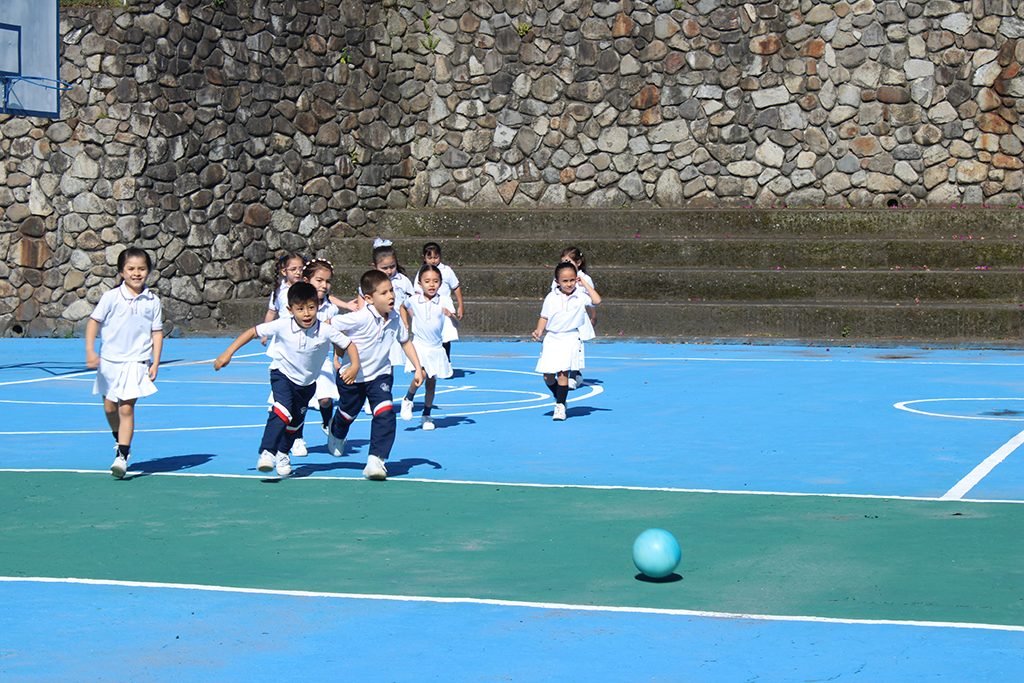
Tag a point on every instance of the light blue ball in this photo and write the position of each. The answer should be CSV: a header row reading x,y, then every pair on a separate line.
x,y
656,553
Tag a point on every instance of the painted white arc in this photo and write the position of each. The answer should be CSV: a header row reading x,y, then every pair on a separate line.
x,y
984,467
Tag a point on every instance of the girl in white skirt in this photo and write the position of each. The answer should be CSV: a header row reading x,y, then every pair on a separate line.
x,y
428,309
563,317
318,273
574,255
129,321
449,286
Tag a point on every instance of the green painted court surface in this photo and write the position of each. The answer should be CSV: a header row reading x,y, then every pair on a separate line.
x,y
848,558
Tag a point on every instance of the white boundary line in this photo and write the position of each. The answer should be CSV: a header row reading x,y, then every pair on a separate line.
x,y
516,484
76,375
511,603
905,406
983,468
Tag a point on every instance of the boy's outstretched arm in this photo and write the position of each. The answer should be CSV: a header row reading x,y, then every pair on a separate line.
x,y
243,339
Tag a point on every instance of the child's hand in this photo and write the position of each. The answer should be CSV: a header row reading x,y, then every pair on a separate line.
x,y
263,340
417,379
153,369
459,313
222,360
536,335
92,359
348,375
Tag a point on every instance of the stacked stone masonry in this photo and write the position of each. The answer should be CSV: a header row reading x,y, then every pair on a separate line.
x,y
219,133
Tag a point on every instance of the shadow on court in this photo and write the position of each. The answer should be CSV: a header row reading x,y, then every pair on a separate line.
x,y
583,411
173,463
459,374
443,423
396,468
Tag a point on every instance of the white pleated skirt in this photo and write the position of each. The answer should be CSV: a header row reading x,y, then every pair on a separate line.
x,y
560,352
433,359
123,381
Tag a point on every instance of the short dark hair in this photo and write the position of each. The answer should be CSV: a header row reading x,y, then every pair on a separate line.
x,y
371,279
431,248
565,265
133,252
300,293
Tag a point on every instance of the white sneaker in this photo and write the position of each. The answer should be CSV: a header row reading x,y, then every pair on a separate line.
x,y
428,424
266,462
335,446
375,469
299,449
366,407
284,465
572,383
406,412
119,467
326,429
559,412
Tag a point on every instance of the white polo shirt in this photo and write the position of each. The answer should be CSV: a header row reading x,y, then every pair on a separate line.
x,y
428,317
373,337
127,323
279,300
299,353
565,313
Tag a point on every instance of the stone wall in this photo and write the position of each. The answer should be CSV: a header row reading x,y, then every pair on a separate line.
x,y
217,133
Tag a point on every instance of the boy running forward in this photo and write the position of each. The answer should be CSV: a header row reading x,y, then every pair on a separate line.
x,y
301,344
374,328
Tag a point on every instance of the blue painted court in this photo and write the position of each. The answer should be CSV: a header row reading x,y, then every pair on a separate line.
x,y
822,497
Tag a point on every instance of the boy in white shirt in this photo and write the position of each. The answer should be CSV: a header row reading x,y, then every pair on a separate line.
x,y
130,322
301,344
374,328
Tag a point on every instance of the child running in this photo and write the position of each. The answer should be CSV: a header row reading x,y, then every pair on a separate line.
x,y
301,344
385,259
430,309
450,287
318,273
374,328
130,323
575,256
562,318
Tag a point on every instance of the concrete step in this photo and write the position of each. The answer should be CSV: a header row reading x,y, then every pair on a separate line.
x,y
696,284
836,320
726,252
420,225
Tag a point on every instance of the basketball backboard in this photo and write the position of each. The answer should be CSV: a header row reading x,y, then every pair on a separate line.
x,y
30,58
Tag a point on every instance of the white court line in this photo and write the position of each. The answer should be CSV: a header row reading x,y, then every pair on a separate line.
x,y
519,484
494,602
594,391
984,467
905,406
76,375
710,359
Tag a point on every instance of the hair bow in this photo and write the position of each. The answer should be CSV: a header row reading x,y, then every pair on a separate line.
x,y
380,242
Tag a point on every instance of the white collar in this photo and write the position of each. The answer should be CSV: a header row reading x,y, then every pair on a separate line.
x,y
127,293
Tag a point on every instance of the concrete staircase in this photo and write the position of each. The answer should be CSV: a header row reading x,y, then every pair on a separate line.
x,y
922,275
